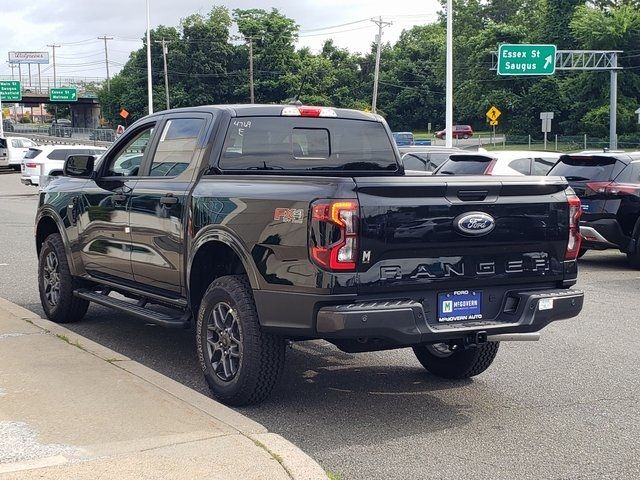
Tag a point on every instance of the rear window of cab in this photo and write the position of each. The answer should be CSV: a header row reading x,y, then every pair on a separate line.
x,y
307,144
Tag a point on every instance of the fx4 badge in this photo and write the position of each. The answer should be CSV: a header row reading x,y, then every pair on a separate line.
x,y
289,215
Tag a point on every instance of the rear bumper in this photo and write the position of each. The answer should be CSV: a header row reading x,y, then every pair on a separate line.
x,y
408,320
603,234
403,322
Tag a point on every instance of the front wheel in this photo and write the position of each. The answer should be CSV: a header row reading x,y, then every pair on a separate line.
x,y
56,284
240,362
458,363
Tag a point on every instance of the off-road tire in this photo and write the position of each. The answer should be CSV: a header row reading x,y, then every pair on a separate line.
x,y
261,354
68,308
461,363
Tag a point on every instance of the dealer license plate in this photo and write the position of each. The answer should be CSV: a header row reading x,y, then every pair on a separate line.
x,y
459,306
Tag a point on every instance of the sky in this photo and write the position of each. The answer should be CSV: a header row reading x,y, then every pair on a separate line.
x,y
31,25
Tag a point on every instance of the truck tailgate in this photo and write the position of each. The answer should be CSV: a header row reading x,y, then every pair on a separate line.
x,y
413,233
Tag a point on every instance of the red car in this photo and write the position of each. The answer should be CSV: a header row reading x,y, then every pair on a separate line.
x,y
459,131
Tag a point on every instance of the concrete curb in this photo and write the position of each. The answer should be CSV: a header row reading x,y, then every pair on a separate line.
x,y
298,464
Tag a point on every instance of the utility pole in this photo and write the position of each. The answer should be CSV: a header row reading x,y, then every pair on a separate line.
x,y
253,99
165,50
381,24
53,47
106,60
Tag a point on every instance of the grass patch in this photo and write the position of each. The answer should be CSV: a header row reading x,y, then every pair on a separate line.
x,y
333,476
64,338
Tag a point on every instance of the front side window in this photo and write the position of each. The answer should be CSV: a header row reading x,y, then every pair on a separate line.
x,y
176,147
127,161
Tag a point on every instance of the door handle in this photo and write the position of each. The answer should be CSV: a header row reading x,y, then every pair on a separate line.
x,y
119,198
168,200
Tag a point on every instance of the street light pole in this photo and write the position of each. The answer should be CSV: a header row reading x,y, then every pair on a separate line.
x,y
448,128
149,83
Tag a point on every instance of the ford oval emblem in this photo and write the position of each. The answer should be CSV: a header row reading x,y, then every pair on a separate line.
x,y
475,223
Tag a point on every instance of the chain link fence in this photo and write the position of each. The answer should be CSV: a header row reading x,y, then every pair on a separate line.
x,y
559,143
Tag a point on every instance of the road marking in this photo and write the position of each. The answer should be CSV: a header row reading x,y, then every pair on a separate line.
x,y
4,264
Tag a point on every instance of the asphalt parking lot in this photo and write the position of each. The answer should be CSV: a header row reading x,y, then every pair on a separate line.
x,y
563,408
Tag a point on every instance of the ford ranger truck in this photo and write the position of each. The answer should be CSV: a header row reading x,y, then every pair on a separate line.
x,y
261,225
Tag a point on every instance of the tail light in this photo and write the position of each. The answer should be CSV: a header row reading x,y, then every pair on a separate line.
x,y
611,188
31,165
334,234
575,212
489,169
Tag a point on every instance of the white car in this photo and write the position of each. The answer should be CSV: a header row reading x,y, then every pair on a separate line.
x,y
47,161
505,162
525,162
17,147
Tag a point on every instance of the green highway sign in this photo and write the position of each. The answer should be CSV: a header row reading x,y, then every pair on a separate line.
x,y
10,91
526,59
63,94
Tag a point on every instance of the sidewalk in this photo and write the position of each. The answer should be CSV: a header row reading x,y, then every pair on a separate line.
x,y
73,409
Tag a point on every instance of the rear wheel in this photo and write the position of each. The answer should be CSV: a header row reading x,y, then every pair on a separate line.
x,y
56,284
465,136
456,363
240,362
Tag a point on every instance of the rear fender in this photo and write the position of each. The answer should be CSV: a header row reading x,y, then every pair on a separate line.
x,y
226,237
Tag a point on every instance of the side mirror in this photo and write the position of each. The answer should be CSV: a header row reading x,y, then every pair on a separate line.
x,y
79,166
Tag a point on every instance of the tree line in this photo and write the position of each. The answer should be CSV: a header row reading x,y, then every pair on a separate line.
x,y
207,65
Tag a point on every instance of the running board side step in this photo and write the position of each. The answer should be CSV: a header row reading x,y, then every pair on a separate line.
x,y
157,318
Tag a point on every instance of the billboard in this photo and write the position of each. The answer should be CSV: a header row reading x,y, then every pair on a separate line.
x,y
28,57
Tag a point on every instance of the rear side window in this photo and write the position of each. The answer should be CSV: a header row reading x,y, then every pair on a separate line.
x,y
63,153
521,165
437,159
464,165
582,168
306,144
414,162
32,153
631,174
541,166
3,143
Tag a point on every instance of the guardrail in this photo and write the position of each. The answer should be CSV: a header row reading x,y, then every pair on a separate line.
x,y
48,140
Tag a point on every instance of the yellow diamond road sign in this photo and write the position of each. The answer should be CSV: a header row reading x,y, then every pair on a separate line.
x,y
494,113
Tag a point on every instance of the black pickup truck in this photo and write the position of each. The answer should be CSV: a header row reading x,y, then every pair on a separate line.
x,y
264,224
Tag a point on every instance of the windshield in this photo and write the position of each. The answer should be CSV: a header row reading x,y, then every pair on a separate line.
x,y
283,143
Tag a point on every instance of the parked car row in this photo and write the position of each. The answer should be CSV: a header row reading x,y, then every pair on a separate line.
x,y
607,183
